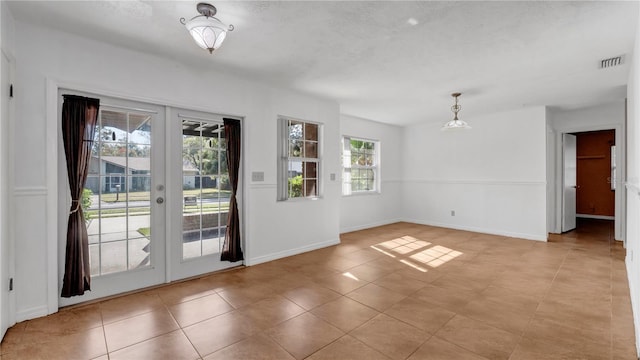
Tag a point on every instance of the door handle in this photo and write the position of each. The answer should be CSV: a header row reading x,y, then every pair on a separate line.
x,y
160,200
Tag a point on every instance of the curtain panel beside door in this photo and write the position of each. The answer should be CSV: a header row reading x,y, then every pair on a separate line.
x,y
79,119
231,250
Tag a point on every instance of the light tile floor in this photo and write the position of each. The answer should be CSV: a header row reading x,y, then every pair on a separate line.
x,y
401,291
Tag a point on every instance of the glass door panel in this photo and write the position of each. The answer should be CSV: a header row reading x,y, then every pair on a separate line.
x,y
118,191
126,170
204,191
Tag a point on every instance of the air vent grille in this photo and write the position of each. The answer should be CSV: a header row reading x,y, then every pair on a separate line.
x,y
611,62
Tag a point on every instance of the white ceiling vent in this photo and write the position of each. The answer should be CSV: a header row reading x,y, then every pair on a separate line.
x,y
611,62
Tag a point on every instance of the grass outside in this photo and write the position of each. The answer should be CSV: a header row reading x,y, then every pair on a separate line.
x,y
189,209
145,195
146,232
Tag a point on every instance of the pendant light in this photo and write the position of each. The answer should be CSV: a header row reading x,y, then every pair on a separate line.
x,y
455,124
207,31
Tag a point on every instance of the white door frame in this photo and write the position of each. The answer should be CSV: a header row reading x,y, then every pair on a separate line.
x,y
569,182
620,193
7,261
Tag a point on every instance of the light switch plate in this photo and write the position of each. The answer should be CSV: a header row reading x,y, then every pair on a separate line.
x,y
257,176
332,176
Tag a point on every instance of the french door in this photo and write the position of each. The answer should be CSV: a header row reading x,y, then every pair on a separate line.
x,y
156,199
123,199
200,190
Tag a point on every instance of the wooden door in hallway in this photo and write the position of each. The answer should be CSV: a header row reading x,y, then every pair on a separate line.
x,y
595,196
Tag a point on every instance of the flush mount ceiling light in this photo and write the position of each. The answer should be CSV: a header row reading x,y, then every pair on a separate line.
x,y
206,29
455,124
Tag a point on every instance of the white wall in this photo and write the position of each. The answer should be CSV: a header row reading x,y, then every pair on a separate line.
x,y
368,210
598,117
7,41
633,184
493,177
271,229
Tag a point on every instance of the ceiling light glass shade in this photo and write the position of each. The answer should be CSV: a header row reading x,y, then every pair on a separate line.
x,y
455,124
207,31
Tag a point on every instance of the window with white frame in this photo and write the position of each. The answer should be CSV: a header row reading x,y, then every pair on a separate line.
x,y
299,159
360,166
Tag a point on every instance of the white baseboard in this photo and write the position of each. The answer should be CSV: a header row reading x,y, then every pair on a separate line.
x,y
481,230
290,252
635,310
600,217
368,226
32,313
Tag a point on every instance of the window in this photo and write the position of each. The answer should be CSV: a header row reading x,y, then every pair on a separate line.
x,y
299,159
360,159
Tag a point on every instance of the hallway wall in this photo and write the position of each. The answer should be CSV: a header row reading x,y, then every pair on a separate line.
x,y
633,183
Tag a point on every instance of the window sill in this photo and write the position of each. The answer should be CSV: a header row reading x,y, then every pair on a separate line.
x,y
362,193
300,199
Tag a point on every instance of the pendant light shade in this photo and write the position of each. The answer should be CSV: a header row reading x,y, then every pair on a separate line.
x,y
456,124
207,31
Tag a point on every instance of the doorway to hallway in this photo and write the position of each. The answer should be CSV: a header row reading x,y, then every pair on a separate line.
x,y
591,176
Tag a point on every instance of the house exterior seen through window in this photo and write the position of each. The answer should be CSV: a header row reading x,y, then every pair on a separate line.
x,y
360,166
299,159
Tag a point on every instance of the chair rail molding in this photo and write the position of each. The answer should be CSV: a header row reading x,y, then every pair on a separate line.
x,y
30,191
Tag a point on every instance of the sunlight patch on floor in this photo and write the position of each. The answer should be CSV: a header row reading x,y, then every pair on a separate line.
x,y
416,253
350,276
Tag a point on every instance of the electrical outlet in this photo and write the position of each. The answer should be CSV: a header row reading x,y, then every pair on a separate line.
x,y
453,213
332,177
630,255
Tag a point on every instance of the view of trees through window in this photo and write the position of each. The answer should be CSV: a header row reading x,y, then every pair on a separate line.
x,y
303,159
205,188
360,164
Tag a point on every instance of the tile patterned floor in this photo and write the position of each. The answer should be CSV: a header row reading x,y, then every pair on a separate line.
x,y
401,291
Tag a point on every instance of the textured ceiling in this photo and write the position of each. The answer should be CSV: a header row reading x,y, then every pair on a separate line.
x,y
393,62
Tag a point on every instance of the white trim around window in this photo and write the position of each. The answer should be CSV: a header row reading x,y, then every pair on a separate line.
x,y
360,166
299,159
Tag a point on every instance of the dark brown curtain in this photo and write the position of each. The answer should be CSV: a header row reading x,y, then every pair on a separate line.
x,y
79,118
231,250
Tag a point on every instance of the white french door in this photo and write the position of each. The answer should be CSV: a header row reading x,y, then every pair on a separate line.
x,y
123,199
156,199
200,193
